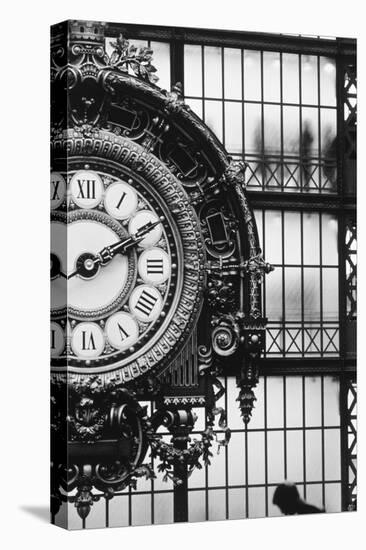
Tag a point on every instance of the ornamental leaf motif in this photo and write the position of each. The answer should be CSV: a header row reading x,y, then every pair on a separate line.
x,y
126,56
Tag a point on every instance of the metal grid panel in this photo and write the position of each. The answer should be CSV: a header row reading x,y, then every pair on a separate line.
x,y
300,298
275,110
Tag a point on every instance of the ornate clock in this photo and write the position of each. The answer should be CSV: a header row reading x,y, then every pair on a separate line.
x,y
127,290
155,274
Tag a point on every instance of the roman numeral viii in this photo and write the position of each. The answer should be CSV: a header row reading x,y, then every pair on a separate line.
x,y
146,303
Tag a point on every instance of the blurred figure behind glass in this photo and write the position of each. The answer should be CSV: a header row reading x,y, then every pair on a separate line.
x,y
287,498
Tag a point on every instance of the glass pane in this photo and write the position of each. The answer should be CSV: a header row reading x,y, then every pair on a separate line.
x,y
252,75
233,127
141,509
213,117
311,294
333,497
163,508
331,401
216,471
192,70
236,458
327,81
310,134
273,242
255,457
330,294
274,402
273,295
291,130
328,125
258,214
275,450
118,511
195,105
196,506
290,78
256,502
309,79
294,449
330,239
213,71
216,504
294,401
332,454
253,128
161,60
313,455
313,401
232,73
273,511
314,495
292,293
271,76
292,221
272,130
236,503
311,238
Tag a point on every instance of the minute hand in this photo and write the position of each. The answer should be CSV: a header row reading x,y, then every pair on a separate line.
x,y
121,247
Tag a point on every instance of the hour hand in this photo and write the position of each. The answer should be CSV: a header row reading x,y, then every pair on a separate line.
x,y
121,247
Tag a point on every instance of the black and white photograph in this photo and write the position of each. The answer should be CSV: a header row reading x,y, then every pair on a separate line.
x,y
181,311
203,274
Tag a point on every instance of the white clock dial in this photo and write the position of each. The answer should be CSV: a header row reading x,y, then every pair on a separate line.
x,y
154,266
86,189
109,281
87,340
142,218
122,330
146,303
57,190
120,200
58,283
57,339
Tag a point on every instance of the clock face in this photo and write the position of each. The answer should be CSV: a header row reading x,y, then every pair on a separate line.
x,y
117,272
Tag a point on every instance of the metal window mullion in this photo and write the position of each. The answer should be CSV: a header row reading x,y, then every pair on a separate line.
x,y
281,122
264,170
323,439
321,313
302,283
265,446
284,429
300,125
283,285
304,433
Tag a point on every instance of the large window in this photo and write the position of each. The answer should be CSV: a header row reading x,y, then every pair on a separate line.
x,y
290,114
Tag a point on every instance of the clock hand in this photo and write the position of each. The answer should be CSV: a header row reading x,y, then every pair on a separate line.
x,y
121,247
87,264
